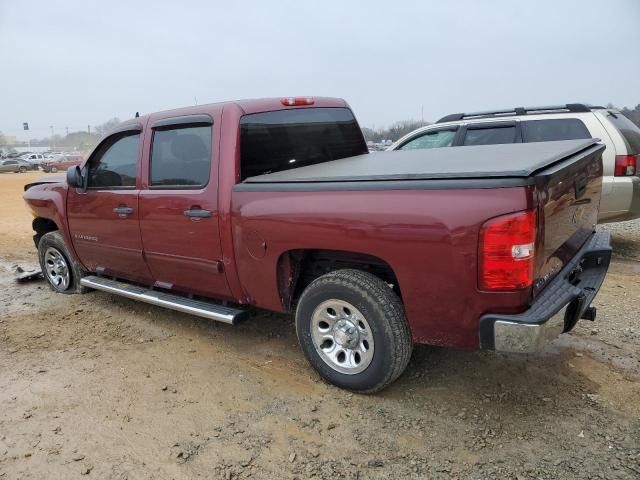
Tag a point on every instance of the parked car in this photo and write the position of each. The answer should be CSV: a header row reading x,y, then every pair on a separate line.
x,y
16,165
621,184
276,204
62,162
33,158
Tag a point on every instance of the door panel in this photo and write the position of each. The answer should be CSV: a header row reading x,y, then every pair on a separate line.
x,y
105,240
183,252
179,208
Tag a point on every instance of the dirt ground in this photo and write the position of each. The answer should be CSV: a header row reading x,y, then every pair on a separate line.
x,y
104,387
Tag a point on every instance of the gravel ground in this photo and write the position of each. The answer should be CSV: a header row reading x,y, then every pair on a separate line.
x,y
97,386
625,237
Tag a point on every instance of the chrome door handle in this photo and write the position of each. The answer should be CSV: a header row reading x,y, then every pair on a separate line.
x,y
197,213
123,210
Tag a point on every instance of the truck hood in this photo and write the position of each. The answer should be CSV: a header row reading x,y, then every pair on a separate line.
x,y
45,180
519,160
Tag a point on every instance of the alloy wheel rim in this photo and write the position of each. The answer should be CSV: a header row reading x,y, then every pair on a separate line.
x,y
342,336
57,269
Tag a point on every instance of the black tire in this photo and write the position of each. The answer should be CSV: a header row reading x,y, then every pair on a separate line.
x,y
53,241
53,169
22,170
384,314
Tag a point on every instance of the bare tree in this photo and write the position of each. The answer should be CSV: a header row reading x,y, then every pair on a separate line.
x,y
106,126
394,132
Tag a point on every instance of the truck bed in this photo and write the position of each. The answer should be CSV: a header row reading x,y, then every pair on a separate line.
x,y
520,160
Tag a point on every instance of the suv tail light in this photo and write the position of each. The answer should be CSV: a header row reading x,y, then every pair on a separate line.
x,y
507,252
626,165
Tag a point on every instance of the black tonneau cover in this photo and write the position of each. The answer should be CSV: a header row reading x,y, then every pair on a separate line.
x,y
518,160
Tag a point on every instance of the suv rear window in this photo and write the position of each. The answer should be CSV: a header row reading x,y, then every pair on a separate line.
x,y
281,140
554,129
629,131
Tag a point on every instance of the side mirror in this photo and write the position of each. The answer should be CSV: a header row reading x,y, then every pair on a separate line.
x,y
74,177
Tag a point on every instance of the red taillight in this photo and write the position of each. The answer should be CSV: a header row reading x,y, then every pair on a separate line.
x,y
296,101
507,252
626,165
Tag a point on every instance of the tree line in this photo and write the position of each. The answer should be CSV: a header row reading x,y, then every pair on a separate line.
x,y
633,115
394,132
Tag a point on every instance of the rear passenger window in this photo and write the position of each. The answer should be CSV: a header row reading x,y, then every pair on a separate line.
x,y
557,129
490,135
435,139
181,157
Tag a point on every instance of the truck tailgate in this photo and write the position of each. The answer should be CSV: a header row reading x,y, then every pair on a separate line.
x,y
569,199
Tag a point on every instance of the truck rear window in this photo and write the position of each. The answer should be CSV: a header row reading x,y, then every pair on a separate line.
x,y
629,131
554,129
281,140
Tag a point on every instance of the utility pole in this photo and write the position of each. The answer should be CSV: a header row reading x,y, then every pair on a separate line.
x,y
53,142
67,129
89,129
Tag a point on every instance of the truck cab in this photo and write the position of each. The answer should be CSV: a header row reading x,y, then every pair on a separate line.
x,y
155,196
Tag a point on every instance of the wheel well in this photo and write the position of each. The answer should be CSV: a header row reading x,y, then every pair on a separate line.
x,y
298,268
41,226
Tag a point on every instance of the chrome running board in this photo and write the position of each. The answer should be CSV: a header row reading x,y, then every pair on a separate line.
x,y
200,308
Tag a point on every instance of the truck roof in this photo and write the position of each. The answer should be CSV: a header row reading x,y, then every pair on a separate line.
x,y
254,105
518,160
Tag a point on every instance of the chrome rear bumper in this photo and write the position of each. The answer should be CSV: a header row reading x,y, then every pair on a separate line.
x,y
557,308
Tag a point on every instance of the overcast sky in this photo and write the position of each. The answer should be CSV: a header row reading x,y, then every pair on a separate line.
x,y
78,63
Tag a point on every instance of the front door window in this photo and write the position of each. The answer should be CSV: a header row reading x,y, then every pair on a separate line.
x,y
114,165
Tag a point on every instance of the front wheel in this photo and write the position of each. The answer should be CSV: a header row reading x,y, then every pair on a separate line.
x,y
53,169
22,170
58,268
352,329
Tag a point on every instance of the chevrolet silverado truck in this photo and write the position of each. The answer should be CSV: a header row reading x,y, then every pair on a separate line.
x,y
276,204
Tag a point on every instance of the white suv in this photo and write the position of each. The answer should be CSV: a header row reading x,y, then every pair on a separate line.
x,y
621,160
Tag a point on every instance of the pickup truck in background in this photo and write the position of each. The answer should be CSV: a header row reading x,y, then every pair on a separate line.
x,y
276,204
34,159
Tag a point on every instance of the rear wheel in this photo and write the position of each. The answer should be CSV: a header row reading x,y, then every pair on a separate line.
x,y
62,273
22,169
352,329
53,169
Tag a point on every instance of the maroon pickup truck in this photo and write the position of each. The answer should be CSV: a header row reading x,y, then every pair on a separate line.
x,y
276,204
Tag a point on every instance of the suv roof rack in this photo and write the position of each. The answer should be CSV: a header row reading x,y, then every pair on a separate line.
x,y
509,112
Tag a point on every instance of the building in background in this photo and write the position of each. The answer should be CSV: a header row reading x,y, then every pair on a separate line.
x,y
7,140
